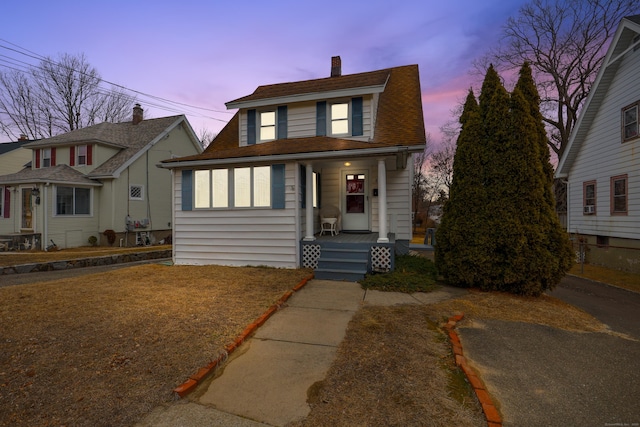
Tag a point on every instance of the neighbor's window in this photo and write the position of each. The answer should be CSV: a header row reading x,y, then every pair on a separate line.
x,y
619,193
267,125
589,197
340,119
136,192
82,155
46,157
630,122
2,202
73,201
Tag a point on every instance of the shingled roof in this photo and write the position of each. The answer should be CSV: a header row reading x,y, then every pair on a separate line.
x,y
399,120
59,174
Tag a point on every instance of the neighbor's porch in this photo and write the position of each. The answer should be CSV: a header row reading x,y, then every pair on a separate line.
x,y
347,256
19,241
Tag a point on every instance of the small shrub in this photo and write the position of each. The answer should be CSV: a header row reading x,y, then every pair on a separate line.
x,y
411,274
93,240
110,235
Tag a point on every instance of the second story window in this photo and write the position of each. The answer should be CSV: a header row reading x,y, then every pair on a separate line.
x,y
630,122
340,119
46,157
82,155
267,125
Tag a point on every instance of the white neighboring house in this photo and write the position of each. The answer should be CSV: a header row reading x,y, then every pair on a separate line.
x,y
293,150
602,160
102,177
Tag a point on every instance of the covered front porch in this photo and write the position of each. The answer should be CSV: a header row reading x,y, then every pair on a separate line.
x,y
19,241
348,256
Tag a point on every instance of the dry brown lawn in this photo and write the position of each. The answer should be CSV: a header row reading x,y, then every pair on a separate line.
x,y
105,349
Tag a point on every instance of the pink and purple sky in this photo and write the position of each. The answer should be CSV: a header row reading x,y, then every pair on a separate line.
x,y
204,53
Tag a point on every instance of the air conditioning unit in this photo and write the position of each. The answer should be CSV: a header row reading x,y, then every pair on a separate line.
x,y
589,209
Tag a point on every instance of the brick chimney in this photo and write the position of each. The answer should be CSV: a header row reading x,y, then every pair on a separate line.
x,y
336,66
137,114
23,137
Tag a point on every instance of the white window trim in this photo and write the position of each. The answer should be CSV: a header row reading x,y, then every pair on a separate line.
x,y
141,187
259,126
231,192
349,117
86,152
43,158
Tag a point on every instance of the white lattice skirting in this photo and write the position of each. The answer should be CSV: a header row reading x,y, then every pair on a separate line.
x,y
310,255
381,258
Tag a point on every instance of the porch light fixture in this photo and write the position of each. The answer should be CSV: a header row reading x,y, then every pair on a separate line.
x,y
347,164
35,191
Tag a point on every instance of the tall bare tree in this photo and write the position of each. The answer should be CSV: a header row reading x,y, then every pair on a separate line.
x,y
565,42
57,96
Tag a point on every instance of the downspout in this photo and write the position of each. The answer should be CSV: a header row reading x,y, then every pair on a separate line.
x,y
45,227
568,204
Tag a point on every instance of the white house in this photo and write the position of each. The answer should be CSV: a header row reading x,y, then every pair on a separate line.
x,y
13,156
90,180
340,145
601,163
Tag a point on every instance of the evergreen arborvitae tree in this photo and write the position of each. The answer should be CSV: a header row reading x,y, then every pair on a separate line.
x,y
460,253
499,230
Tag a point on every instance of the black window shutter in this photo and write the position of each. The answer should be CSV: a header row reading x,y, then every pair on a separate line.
x,y
251,127
187,190
321,118
356,122
277,186
282,122
7,202
303,186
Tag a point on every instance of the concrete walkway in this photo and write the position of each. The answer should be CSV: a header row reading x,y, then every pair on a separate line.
x,y
267,378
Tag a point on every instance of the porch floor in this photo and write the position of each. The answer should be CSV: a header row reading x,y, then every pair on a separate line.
x,y
343,237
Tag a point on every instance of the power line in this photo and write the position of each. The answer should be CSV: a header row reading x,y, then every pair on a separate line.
x,y
23,51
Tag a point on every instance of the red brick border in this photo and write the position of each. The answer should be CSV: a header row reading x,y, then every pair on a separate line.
x,y
490,410
190,384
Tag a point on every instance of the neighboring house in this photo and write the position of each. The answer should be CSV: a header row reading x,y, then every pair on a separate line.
x,y
602,160
13,156
102,177
293,151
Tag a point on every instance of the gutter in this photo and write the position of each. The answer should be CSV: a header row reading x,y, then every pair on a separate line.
x,y
297,156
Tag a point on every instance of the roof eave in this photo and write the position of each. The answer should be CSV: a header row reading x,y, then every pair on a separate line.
x,y
318,155
311,96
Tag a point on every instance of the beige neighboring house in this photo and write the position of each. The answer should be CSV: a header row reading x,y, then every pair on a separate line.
x,y
13,156
102,177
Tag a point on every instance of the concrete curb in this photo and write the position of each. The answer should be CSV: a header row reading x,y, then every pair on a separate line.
x,y
86,262
491,413
192,382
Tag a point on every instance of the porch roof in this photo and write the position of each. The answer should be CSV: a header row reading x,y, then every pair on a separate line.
x,y
59,174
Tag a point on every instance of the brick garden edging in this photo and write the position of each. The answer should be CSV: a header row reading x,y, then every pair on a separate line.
x,y
491,413
192,382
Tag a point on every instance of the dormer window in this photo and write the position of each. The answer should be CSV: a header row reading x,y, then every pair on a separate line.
x,y
80,155
340,119
267,125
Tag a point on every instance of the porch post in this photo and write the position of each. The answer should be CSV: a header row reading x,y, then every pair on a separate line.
x,y
382,202
309,204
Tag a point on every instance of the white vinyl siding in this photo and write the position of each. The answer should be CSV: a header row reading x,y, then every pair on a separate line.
x,y
301,120
603,155
237,236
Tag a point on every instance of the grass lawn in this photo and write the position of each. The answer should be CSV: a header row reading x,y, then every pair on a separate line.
x,y
105,349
